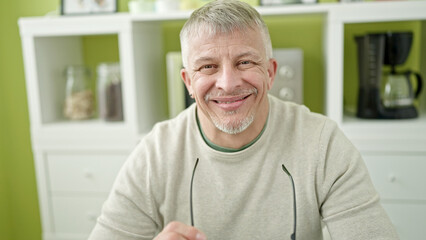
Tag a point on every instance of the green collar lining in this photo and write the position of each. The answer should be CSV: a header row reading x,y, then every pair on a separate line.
x,y
224,149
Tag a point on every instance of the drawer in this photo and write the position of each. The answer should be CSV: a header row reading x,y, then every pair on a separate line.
x,y
76,215
398,176
409,219
83,172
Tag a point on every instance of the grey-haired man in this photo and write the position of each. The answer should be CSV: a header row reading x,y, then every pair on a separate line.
x,y
240,164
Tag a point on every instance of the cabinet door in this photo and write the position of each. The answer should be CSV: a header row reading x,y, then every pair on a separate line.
x,y
76,215
398,176
409,219
78,185
400,180
83,172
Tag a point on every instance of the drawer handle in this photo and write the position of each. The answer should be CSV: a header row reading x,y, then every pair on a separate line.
x,y
91,217
392,178
87,173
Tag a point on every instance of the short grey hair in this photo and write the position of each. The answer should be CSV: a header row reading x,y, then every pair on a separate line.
x,y
223,16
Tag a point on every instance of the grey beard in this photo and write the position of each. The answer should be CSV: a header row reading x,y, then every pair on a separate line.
x,y
240,126
232,128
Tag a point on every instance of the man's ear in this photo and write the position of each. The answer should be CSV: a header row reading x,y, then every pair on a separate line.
x,y
272,71
186,79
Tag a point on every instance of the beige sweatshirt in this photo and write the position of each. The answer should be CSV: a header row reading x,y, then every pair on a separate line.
x,y
246,195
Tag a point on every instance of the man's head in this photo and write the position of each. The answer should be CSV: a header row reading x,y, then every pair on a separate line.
x,y
229,68
223,16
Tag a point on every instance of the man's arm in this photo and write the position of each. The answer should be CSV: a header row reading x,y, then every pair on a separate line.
x,y
130,214
350,204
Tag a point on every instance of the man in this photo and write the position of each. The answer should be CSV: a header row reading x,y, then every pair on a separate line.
x,y
222,164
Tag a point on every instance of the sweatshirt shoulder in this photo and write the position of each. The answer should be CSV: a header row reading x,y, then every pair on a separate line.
x,y
296,113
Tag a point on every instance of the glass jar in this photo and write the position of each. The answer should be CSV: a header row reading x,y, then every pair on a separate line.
x,y
109,92
79,99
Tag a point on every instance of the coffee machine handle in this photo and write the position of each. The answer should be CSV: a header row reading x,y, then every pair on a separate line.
x,y
419,84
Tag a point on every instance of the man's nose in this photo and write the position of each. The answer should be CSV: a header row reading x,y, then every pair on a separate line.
x,y
229,78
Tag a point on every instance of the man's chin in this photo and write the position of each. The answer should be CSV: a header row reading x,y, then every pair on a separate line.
x,y
234,126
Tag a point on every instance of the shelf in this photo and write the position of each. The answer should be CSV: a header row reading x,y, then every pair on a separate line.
x,y
54,54
402,135
344,12
89,124
354,122
85,134
378,11
140,52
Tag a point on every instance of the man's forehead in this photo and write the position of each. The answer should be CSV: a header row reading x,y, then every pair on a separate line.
x,y
209,32
207,41
205,46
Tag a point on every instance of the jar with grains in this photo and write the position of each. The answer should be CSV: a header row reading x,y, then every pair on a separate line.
x,y
79,98
109,92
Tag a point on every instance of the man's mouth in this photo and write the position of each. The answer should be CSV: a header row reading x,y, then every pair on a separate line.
x,y
230,100
224,98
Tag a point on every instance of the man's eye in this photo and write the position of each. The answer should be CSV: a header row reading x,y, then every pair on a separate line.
x,y
246,64
208,69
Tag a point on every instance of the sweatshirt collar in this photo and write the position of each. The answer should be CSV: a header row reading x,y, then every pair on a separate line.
x,y
224,149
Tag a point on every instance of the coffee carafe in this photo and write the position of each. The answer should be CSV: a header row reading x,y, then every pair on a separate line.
x,y
398,91
396,100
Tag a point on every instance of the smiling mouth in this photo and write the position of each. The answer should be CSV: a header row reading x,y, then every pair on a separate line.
x,y
229,101
220,97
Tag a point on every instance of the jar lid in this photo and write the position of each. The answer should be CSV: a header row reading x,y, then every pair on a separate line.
x,y
110,70
77,70
105,68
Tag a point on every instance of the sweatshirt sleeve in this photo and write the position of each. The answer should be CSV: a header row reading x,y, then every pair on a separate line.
x,y
127,213
350,204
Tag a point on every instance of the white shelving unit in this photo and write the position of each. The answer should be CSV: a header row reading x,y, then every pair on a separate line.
x,y
365,13
76,162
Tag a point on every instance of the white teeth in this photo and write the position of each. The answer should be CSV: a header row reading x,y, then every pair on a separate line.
x,y
230,101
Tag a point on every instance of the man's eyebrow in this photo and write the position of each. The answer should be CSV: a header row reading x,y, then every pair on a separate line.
x,y
202,60
247,54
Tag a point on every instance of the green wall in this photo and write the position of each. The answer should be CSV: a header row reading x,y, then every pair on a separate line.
x,y
19,213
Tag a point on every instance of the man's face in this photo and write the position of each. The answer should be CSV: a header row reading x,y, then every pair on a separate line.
x,y
229,76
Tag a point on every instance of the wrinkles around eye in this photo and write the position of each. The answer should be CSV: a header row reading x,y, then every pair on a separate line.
x,y
208,69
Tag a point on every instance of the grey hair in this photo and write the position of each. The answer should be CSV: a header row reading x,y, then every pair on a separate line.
x,y
223,16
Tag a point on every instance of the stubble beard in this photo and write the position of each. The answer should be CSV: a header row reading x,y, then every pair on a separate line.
x,y
233,126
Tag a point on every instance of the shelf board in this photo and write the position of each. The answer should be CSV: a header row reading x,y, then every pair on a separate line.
x,y
379,11
112,23
386,135
352,121
85,125
93,133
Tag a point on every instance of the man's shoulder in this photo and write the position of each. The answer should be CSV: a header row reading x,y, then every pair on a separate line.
x,y
297,120
286,110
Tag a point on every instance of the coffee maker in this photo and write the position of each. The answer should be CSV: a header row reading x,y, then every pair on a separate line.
x,y
396,100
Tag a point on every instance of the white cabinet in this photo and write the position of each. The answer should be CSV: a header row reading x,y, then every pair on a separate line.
x,y
394,150
72,186
397,176
77,161
400,179
89,172
74,217
408,218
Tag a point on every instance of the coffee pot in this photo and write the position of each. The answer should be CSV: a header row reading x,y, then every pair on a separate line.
x,y
399,91
396,99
